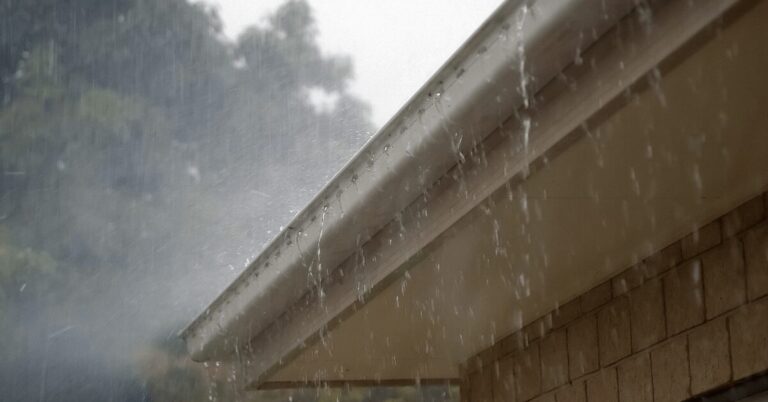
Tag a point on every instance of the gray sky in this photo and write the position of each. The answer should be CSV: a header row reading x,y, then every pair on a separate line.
x,y
396,45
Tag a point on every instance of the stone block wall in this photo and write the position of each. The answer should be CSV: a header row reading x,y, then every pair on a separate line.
x,y
687,320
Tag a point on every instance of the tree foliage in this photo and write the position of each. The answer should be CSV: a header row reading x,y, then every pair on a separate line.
x,y
142,156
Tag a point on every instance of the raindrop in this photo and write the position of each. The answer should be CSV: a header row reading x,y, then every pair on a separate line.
x,y
500,251
697,178
521,54
654,78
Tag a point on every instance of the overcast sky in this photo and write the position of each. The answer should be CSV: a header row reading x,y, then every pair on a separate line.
x,y
396,45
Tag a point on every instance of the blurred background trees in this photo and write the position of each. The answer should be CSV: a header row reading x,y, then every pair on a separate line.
x,y
144,158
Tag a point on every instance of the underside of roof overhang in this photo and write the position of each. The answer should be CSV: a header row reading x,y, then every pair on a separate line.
x,y
603,170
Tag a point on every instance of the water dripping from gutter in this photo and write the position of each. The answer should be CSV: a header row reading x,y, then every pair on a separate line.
x,y
521,55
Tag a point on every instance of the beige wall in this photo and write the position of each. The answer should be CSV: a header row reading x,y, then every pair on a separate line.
x,y
689,319
671,154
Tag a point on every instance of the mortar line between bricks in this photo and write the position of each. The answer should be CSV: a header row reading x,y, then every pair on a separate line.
x,y
567,361
730,346
688,362
599,346
703,291
629,312
664,307
650,368
744,266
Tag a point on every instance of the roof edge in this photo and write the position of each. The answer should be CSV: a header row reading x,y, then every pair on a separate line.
x,y
519,48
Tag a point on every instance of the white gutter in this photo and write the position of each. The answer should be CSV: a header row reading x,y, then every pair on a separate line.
x,y
469,96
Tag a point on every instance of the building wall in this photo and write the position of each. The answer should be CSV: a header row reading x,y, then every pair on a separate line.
x,y
687,320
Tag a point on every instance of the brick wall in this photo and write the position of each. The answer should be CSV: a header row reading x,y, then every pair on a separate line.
x,y
689,319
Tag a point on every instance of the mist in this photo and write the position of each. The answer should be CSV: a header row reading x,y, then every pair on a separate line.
x,y
146,159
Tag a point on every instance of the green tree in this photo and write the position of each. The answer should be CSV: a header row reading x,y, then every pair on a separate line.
x,y
139,149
